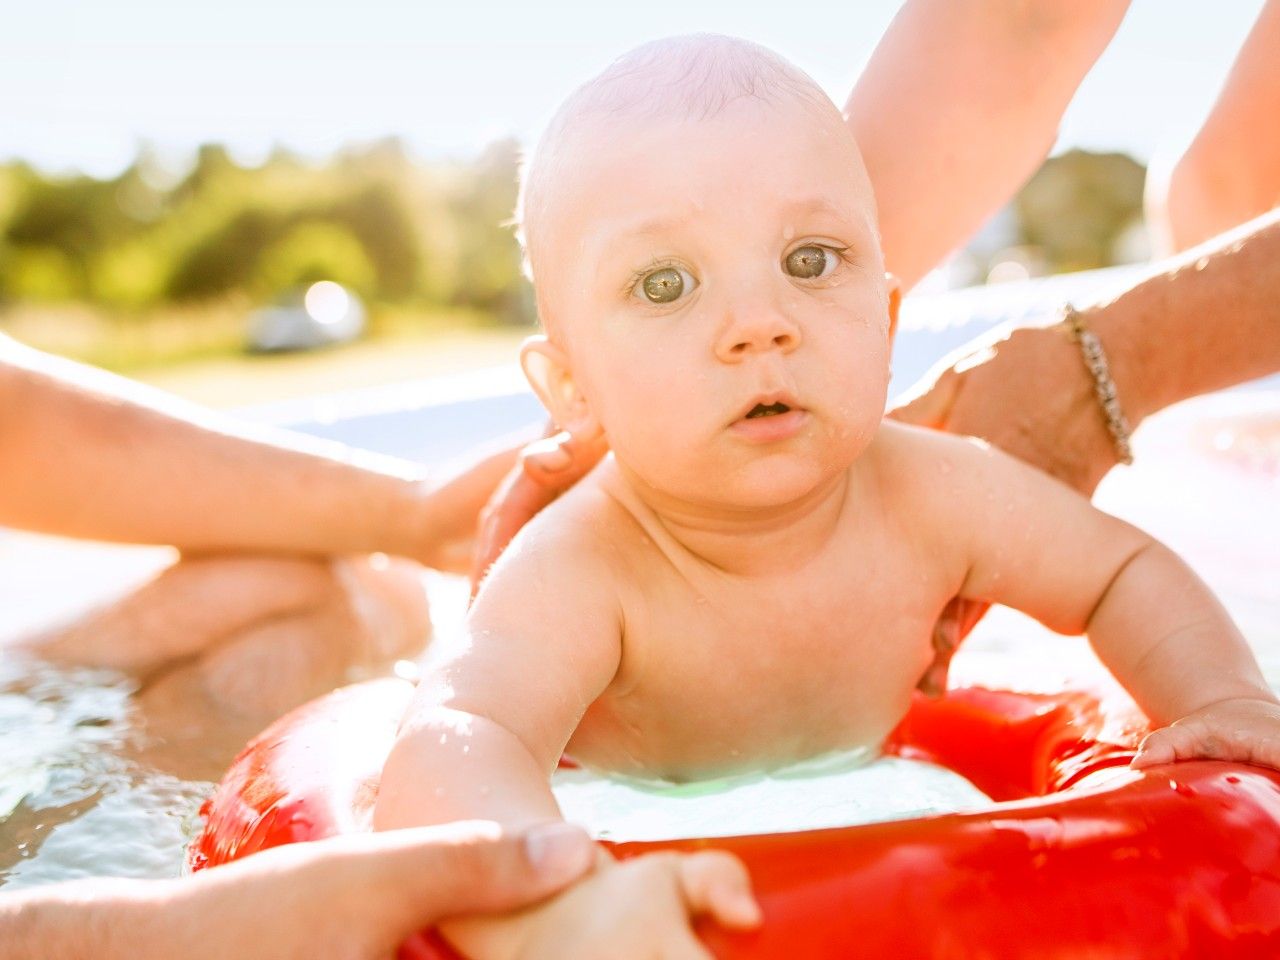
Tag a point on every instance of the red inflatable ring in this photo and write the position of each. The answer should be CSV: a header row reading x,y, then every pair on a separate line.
x,y
1179,861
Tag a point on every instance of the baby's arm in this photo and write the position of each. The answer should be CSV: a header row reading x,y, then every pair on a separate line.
x,y
487,726
1041,548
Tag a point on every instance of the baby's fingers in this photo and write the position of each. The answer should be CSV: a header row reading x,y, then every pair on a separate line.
x,y
1161,746
1244,741
718,885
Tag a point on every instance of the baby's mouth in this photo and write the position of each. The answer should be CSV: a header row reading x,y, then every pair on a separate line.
x,y
770,410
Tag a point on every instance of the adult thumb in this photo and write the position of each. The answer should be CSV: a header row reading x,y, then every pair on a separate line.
x,y
427,874
929,402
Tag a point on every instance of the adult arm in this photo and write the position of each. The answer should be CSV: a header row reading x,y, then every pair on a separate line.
x,y
1202,321
349,898
959,105
84,453
1231,171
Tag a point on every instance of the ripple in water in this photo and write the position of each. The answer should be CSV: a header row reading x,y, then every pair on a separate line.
x,y
75,799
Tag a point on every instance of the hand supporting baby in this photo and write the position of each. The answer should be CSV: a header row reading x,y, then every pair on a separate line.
x,y
637,908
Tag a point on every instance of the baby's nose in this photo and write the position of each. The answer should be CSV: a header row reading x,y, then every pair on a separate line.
x,y
756,331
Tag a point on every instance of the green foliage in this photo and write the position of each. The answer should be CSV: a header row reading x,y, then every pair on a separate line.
x,y
408,237
404,235
40,273
310,252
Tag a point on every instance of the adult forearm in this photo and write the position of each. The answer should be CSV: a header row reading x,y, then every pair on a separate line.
x,y
1167,638
86,920
1208,319
958,106
87,454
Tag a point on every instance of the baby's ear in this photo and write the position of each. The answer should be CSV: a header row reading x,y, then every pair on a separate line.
x,y
894,286
549,372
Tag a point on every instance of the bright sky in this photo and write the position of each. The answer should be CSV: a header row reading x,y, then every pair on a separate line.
x,y
83,82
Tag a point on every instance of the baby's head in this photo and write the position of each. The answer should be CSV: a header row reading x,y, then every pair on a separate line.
x,y
701,234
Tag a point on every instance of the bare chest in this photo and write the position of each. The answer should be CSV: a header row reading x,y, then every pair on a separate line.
x,y
722,673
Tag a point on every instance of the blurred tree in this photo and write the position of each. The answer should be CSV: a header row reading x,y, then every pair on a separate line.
x,y
400,232
486,256
376,216
40,273
310,252
226,258
129,275
1077,205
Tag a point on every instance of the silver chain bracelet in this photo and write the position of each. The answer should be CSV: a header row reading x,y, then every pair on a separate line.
x,y
1104,387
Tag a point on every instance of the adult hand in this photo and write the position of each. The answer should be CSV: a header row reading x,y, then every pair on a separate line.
x,y
545,469
443,519
348,898
1026,390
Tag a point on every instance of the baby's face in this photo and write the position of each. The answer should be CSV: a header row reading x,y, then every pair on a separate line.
x,y
719,290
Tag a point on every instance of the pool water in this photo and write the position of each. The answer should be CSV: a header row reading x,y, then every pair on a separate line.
x,y
88,786
832,791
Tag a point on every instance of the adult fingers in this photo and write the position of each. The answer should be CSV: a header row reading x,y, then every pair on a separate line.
x,y
928,403
423,875
547,468
562,460
958,617
717,884
518,500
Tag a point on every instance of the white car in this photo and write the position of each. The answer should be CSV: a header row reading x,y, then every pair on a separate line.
x,y
325,313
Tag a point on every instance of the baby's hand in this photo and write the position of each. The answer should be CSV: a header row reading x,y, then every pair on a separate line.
x,y
641,908
1243,730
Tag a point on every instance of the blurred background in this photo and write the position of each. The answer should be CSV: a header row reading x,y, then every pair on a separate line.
x,y
200,195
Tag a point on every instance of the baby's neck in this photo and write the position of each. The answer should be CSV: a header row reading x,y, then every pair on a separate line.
x,y
749,541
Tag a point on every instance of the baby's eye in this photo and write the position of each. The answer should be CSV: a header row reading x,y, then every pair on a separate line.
x,y
666,285
811,262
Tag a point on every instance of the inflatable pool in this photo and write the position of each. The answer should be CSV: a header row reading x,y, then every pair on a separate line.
x,y
1076,857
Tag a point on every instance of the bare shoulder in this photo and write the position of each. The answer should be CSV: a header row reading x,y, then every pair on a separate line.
x,y
952,488
568,558
545,630
910,443
928,466
585,525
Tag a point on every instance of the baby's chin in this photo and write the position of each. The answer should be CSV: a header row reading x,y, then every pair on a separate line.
x,y
766,484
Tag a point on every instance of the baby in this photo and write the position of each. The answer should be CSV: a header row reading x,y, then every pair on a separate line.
x,y
752,577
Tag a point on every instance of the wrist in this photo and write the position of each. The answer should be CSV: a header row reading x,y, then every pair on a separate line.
x,y
1137,384
403,519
